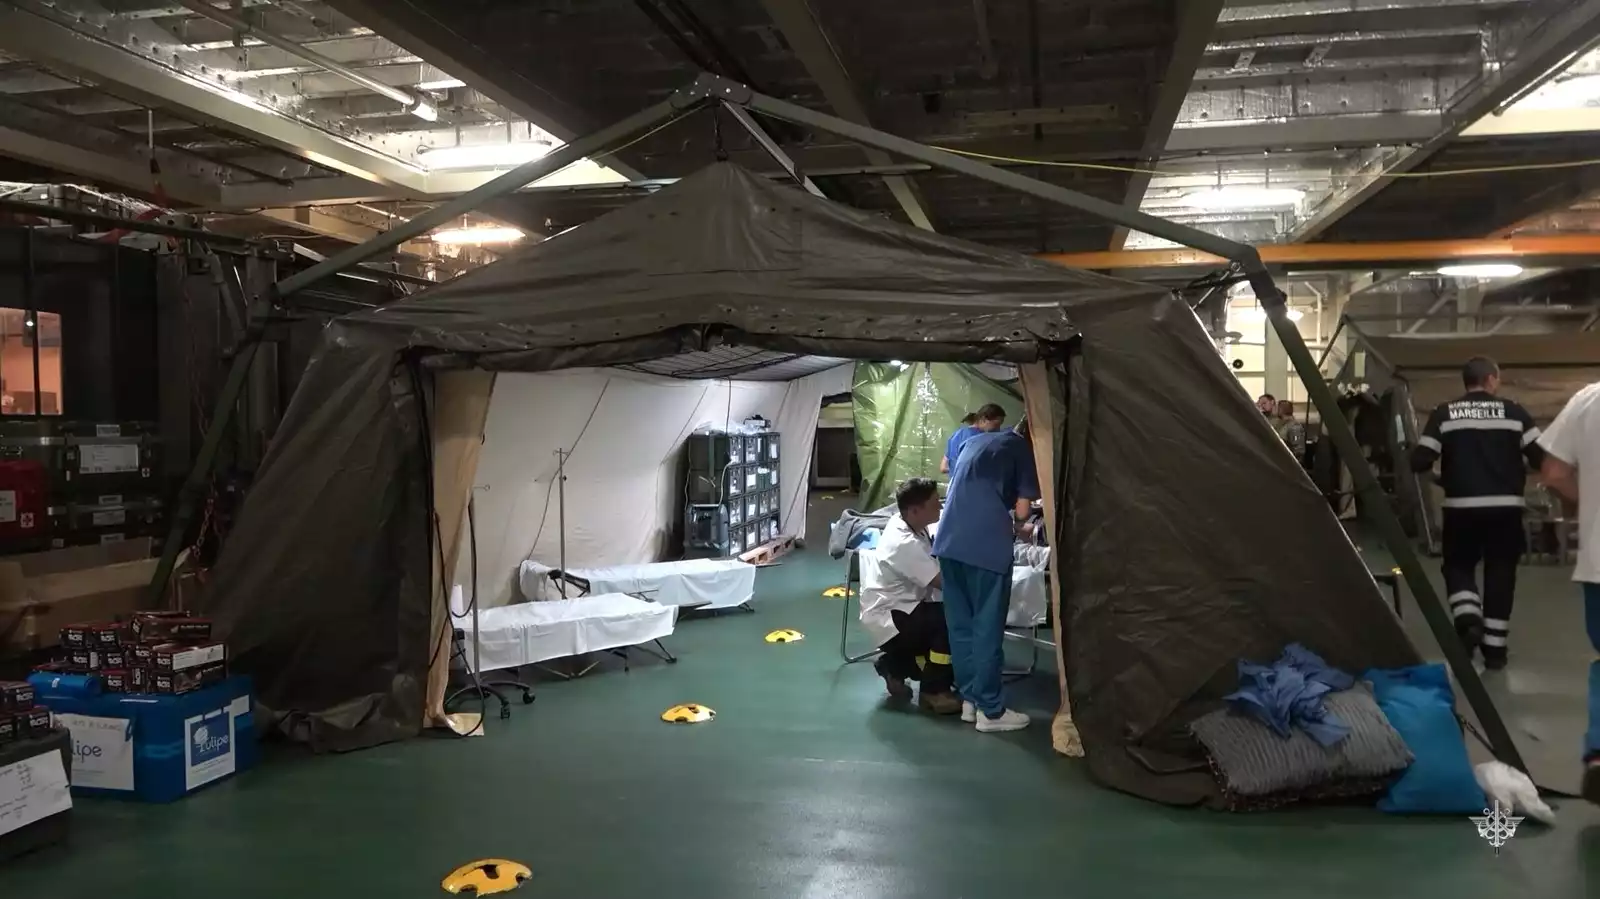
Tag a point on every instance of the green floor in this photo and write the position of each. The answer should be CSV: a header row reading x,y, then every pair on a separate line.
x,y
806,785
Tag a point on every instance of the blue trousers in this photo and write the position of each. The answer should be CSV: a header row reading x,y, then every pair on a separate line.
x,y
1591,615
975,605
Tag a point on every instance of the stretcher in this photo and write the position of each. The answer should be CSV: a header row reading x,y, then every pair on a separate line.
x,y
533,633
691,583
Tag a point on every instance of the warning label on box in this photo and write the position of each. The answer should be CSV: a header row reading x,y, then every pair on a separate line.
x,y
108,458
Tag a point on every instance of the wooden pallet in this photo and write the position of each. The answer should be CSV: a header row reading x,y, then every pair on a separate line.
x,y
768,552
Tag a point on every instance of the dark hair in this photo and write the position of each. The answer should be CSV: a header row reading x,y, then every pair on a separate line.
x,y
1477,371
969,418
1266,396
913,492
990,412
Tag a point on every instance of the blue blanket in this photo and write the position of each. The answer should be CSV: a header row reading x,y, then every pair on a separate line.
x,y
1289,693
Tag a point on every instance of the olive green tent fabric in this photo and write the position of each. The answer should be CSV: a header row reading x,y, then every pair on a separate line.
x,y
905,413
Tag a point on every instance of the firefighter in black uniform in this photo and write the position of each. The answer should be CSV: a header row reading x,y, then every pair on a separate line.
x,y
1484,445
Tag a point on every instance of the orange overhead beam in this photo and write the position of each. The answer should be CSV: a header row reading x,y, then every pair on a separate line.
x,y
1495,249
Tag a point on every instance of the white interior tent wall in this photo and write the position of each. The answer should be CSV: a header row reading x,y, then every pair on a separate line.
x,y
626,432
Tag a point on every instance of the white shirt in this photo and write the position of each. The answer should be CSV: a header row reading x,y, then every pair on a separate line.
x,y
1574,438
895,576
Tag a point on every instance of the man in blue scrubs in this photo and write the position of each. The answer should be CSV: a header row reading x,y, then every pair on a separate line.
x,y
989,418
993,485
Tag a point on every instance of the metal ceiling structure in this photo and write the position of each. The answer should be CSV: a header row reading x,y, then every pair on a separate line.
x,y
329,119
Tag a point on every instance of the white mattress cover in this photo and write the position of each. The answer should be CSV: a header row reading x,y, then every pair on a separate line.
x,y
1030,592
530,632
706,583
1030,596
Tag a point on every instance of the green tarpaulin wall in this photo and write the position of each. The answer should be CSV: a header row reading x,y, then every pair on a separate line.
x,y
904,414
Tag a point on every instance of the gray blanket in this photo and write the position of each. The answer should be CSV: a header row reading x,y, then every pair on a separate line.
x,y
851,524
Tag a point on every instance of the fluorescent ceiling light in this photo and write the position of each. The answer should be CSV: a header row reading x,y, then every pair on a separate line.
x,y
477,236
1243,198
442,84
483,156
1481,270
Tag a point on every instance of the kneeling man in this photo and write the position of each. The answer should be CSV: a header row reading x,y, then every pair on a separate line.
x,y
900,602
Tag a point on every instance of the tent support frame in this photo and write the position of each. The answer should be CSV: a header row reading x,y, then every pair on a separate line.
x,y
1243,260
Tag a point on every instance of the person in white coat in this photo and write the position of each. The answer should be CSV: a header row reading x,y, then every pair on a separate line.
x,y
901,605
1571,448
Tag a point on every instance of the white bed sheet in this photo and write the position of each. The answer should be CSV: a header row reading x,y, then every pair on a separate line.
x,y
1030,596
531,632
707,583
1030,590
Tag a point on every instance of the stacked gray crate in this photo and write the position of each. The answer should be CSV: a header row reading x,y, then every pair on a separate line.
x,y
732,492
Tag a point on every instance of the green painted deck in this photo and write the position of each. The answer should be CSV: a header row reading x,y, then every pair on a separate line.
x,y
806,785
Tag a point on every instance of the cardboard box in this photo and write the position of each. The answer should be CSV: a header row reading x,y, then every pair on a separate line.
x,y
189,679
174,657
113,659
36,722
8,728
138,680
107,636
169,627
15,696
52,590
83,661
117,681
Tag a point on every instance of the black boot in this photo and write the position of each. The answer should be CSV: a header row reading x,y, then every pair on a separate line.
x,y
1469,628
895,684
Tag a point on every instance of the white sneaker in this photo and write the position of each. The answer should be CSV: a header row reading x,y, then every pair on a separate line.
x,y
969,712
1009,720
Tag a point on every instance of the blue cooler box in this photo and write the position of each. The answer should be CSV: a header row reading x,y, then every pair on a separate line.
x,y
156,748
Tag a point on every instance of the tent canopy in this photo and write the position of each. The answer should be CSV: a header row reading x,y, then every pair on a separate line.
x,y
1187,538
1540,371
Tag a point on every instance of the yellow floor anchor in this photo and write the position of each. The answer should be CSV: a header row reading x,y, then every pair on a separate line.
x,y
689,713
840,592
491,875
786,635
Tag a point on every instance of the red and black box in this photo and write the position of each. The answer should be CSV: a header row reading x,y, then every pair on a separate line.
x,y
189,679
9,732
138,680
83,661
117,681
168,627
15,696
35,722
175,657
113,659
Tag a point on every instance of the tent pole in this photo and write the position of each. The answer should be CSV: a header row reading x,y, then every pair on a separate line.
x,y
1132,219
607,139
742,116
1389,527
222,413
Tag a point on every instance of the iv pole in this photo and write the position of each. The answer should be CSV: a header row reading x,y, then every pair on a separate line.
x,y
561,518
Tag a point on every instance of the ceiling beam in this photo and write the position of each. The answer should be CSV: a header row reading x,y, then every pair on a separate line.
x,y
1305,133
45,39
1195,21
128,174
416,30
804,34
1563,30
1375,254
320,223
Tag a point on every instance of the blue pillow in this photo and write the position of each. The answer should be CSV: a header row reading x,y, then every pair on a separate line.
x,y
1421,706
